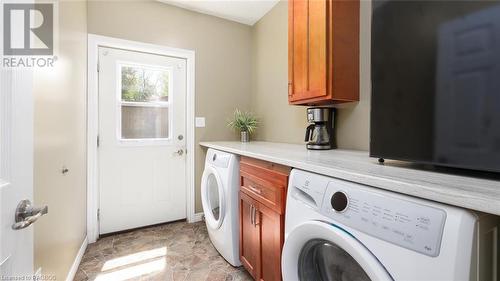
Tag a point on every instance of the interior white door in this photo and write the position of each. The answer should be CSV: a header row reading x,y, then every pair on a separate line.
x,y
142,126
16,171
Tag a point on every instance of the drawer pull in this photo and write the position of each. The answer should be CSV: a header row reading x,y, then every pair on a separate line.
x,y
254,189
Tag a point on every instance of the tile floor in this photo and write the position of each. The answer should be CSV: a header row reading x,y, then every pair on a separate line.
x,y
175,251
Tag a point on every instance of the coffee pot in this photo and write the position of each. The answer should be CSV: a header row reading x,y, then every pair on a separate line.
x,y
319,134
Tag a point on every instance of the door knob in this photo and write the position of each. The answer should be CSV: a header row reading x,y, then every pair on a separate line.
x,y
26,214
180,152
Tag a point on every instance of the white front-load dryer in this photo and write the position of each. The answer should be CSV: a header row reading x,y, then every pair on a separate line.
x,y
219,197
340,230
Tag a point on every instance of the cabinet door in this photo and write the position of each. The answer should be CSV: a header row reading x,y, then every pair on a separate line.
x,y
307,69
271,242
249,235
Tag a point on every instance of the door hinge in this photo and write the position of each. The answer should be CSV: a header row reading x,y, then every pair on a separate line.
x,y
98,214
98,142
98,66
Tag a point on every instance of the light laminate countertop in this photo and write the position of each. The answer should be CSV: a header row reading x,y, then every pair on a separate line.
x,y
463,191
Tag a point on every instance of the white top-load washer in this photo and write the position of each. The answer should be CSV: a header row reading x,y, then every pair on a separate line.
x,y
339,230
219,197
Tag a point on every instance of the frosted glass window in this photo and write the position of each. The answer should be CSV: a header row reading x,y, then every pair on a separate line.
x,y
144,102
144,122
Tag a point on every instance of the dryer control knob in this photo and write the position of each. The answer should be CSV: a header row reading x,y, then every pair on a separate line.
x,y
339,201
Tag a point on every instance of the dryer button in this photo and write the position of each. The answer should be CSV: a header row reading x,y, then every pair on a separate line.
x,y
339,201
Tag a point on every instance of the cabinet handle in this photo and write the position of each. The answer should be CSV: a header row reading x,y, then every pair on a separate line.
x,y
254,189
251,214
255,222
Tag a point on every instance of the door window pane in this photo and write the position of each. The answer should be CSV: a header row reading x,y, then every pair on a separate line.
x,y
144,122
143,84
323,260
144,102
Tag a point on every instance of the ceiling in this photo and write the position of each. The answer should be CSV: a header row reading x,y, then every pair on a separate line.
x,y
242,11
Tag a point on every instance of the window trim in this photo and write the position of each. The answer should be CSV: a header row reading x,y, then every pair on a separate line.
x,y
145,104
162,104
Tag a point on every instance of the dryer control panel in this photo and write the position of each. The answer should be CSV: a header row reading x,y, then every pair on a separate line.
x,y
308,188
218,158
402,222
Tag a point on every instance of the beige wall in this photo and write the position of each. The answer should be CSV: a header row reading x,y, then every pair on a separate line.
x,y
60,126
223,57
353,120
279,122
282,122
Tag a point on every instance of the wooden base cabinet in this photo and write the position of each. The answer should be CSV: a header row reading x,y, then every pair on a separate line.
x,y
262,206
271,243
249,235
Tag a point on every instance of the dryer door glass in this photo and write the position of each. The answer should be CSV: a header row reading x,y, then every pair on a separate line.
x,y
323,260
213,196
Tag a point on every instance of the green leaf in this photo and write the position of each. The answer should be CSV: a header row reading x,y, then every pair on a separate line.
x,y
243,121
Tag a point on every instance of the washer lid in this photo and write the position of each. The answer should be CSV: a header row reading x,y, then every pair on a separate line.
x,y
321,251
212,197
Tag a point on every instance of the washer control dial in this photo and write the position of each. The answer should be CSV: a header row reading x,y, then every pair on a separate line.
x,y
339,201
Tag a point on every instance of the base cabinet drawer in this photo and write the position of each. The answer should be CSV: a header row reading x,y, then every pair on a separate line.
x,y
264,192
262,207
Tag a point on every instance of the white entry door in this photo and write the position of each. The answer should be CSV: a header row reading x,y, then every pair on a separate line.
x,y
142,129
16,173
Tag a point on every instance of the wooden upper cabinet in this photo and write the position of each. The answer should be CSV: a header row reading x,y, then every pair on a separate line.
x,y
323,51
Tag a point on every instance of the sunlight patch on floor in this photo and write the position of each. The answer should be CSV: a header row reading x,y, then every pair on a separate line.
x,y
134,258
134,265
133,271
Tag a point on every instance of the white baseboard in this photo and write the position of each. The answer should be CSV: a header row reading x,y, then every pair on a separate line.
x,y
78,259
38,274
197,217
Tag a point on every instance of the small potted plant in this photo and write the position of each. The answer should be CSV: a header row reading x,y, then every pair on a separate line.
x,y
245,122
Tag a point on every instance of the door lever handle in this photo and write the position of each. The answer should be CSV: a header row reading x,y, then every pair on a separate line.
x,y
26,214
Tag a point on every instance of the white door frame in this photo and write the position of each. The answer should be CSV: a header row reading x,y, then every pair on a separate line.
x,y
94,42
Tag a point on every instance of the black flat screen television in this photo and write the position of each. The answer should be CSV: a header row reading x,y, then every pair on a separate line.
x,y
436,83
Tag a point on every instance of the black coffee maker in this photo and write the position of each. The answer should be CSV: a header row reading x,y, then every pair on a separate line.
x,y
320,134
